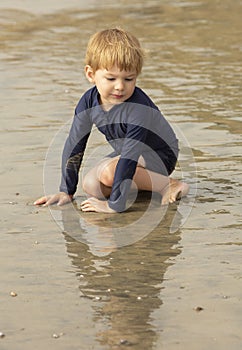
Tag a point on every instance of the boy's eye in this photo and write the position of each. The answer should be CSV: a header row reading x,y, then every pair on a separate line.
x,y
126,79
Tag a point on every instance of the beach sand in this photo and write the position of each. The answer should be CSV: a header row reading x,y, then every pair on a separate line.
x,y
150,278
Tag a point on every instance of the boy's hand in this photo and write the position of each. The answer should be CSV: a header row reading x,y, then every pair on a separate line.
x,y
97,205
59,198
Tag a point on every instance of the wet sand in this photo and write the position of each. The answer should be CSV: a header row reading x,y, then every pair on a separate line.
x,y
94,281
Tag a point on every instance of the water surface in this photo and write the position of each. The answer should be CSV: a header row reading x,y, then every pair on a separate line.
x,y
74,281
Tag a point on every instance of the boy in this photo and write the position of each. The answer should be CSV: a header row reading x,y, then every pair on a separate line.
x,y
145,146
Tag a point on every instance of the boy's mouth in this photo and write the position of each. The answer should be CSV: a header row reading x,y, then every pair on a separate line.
x,y
118,97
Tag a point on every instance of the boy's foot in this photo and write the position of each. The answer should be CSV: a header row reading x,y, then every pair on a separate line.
x,y
174,191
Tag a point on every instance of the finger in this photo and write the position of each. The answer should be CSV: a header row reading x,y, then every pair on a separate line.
x,y
89,200
64,200
87,207
84,202
41,200
51,200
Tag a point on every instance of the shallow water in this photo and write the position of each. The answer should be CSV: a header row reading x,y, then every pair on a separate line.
x,y
74,275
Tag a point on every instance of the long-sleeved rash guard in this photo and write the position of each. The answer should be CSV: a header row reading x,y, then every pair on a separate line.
x,y
134,128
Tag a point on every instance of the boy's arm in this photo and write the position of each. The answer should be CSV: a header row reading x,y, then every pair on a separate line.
x,y
132,149
71,162
73,152
72,156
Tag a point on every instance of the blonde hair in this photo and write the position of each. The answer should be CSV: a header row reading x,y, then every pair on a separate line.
x,y
114,47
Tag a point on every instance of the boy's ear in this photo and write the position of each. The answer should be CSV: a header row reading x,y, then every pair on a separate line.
x,y
89,73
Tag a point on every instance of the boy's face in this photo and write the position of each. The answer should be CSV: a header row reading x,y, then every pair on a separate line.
x,y
114,86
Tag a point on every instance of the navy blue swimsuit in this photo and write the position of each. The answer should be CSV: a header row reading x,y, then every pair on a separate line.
x,y
133,128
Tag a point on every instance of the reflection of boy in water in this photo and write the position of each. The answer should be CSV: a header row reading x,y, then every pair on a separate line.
x,y
145,146
124,288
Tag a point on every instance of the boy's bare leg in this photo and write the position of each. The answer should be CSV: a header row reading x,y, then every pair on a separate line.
x,y
98,182
93,183
170,189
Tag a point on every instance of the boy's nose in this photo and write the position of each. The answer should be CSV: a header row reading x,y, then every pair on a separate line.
x,y
119,85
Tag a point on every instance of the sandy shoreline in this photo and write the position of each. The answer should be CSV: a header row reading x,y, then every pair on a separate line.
x,y
169,290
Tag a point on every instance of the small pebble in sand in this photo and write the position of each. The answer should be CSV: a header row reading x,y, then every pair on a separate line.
x,y
2,335
198,308
13,294
55,336
125,342
225,296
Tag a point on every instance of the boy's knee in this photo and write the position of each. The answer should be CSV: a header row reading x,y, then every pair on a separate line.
x,y
106,176
88,184
91,181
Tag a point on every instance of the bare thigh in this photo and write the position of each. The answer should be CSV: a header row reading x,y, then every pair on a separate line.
x,y
99,180
92,182
107,162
